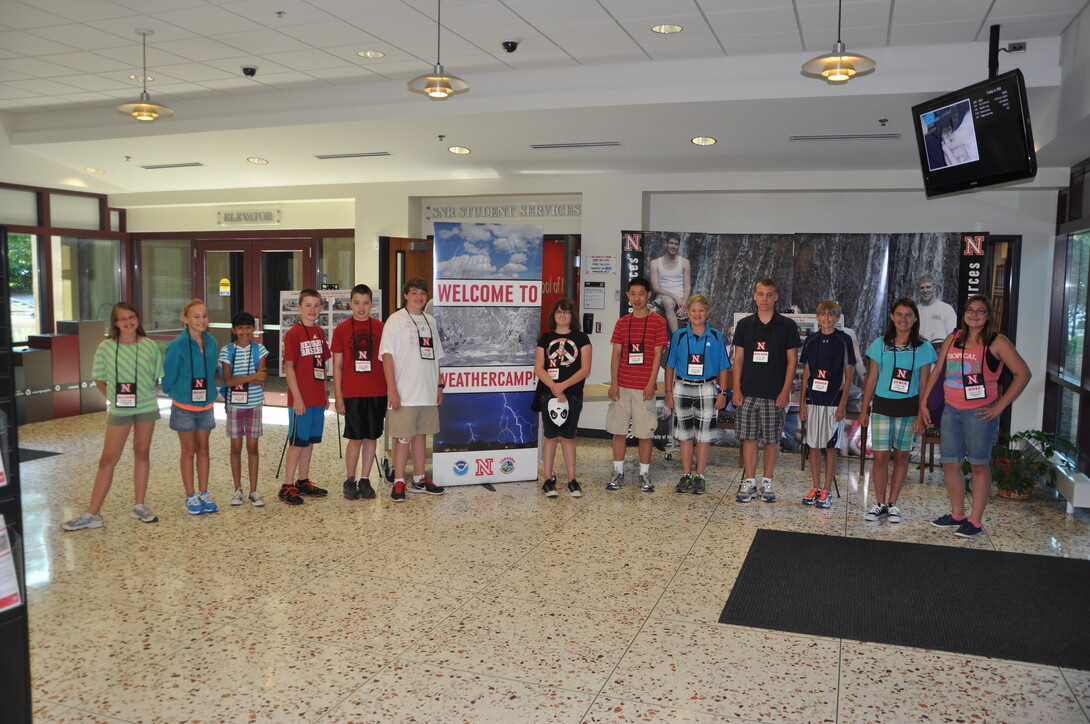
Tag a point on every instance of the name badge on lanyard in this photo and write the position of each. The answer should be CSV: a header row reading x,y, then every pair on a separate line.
x,y
427,351
319,367
901,380
635,353
363,360
820,381
200,389
974,386
761,353
696,365
125,394
239,394
553,370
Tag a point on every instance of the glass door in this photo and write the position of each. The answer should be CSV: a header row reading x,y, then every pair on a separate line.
x,y
249,275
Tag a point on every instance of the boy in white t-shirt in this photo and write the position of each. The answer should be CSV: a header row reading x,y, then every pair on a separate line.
x,y
410,351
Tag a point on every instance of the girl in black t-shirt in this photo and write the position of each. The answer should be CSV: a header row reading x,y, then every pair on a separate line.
x,y
561,362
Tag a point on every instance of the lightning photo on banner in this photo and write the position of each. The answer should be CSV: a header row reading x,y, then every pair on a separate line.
x,y
487,303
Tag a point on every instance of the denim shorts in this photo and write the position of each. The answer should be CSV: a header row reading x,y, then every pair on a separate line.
x,y
966,436
182,420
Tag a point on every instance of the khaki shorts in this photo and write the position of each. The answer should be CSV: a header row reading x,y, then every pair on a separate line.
x,y
631,407
407,422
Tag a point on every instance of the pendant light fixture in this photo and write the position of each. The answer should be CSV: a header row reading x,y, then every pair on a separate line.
x,y
438,85
144,111
838,66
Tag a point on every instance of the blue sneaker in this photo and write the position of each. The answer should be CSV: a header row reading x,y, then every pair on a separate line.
x,y
193,505
206,501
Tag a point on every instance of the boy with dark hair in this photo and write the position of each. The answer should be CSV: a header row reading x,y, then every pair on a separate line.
x,y
243,364
766,350
359,389
638,340
827,360
305,355
410,351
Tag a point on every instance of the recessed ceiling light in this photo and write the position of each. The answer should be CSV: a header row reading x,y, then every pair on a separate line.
x,y
667,29
371,54
460,150
93,170
142,78
704,141
258,161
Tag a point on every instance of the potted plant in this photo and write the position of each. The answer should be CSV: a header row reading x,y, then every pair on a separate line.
x,y
1022,460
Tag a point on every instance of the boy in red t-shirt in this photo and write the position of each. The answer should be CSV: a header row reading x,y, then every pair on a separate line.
x,y
305,355
638,340
359,388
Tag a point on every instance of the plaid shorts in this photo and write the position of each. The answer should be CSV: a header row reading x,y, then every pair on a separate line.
x,y
895,431
760,419
243,422
694,409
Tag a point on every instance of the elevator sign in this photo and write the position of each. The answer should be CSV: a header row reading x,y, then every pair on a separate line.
x,y
240,216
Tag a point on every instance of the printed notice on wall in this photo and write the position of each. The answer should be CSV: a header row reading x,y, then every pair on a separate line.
x,y
601,264
594,295
9,581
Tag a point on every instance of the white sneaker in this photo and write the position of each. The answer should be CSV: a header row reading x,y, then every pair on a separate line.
x,y
875,513
238,498
143,514
747,491
85,520
894,513
768,495
255,500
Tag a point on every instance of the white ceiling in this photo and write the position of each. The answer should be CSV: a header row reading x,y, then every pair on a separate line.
x,y
585,70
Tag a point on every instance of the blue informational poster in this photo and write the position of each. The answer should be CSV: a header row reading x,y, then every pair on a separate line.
x,y
487,302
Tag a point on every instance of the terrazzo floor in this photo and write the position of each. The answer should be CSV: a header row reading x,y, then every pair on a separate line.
x,y
478,606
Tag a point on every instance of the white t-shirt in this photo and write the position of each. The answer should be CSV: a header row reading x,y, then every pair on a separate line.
x,y
937,320
417,379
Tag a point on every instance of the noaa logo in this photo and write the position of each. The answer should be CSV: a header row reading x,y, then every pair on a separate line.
x,y
461,467
507,466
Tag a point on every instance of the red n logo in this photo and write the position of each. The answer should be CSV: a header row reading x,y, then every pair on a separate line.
x,y
632,242
484,466
974,246
902,374
761,345
823,374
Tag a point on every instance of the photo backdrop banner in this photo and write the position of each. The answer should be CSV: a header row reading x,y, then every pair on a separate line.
x,y
487,305
863,272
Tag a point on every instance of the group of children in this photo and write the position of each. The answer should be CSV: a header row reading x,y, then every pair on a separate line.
x,y
390,373
372,371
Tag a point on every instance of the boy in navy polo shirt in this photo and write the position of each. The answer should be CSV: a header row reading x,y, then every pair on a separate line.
x,y
827,361
766,350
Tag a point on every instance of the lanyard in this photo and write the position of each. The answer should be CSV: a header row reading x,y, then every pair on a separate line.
x,y
192,367
370,337
913,357
135,365
643,334
430,335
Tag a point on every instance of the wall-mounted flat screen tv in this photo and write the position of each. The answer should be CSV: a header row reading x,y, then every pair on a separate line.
x,y
977,136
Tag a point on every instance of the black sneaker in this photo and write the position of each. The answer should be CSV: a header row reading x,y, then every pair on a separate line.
x,y
948,521
685,484
350,491
700,485
308,488
398,494
290,495
365,490
968,529
574,489
426,486
549,488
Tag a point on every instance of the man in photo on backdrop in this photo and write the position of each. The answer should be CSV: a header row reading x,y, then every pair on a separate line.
x,y
410,351
937,318
638,340
766,349
671,282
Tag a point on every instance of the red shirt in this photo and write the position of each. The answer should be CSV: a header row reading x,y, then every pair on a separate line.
x,y
648,333
355,339
305,347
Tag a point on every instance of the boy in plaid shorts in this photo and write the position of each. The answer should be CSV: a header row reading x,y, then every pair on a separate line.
x,y
766,350
243,363
698,358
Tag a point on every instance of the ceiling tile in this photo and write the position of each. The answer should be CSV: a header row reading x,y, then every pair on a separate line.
x,y
1013,8
757,44
867,13
158,6
396,26
84,10
92,82
933,33
744,22
35,67
295,12
323,35
41,87
88,62
22,43
310,59
937,12
23,16
551,13
260,42
125,28
639,9
194,72
82,37
353,9
209,20
291,80
199,49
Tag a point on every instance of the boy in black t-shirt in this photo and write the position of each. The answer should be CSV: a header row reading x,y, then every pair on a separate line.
x,y
561,362
827,361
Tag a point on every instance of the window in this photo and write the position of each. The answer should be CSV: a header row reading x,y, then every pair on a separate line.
x,y
165,283
337,262
22,263
1074,321
89,277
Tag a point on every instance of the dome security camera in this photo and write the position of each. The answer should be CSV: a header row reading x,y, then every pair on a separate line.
x,y
510,45
249,70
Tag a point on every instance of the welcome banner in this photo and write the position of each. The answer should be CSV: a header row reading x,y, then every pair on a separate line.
x,y
487,304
